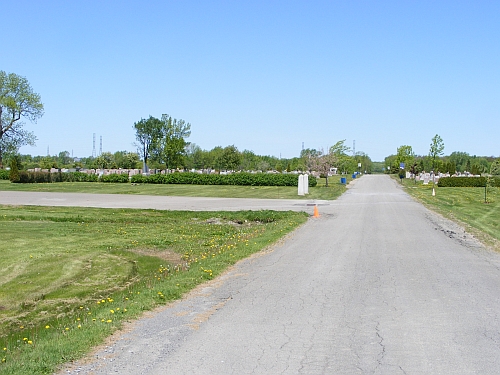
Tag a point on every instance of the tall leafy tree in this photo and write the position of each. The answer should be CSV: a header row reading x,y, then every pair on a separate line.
x,y
436,150
17,101
405,155
495,168
344,162
172,146
148,133
229,158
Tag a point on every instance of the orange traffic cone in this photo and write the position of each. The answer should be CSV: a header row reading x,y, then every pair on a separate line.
x,y
316,213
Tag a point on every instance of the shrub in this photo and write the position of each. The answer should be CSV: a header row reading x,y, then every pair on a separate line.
x,y
4,174
121,178
462,182
240,179
14,171
138,179
45,177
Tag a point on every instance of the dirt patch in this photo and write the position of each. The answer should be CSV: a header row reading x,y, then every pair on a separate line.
x,y
167,255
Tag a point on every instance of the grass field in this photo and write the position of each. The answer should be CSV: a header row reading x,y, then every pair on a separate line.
x,y
465,205
71,276
333,191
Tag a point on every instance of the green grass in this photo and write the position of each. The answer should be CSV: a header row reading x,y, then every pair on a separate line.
x,y
71,276
465,205
333,191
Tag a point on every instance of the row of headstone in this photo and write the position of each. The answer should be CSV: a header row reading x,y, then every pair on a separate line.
x,y
303,185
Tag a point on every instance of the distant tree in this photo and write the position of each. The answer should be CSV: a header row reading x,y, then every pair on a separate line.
x,y
148,133
405,155
248,160
308,155
64,158
17,100
476,169
105,161
48,162
495,168
14,169
230,158
436,150
323,163
460,159
366,162
172,145
126,159
344,162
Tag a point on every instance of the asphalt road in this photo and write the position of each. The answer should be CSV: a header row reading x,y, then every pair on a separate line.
x,y
155,202
376,285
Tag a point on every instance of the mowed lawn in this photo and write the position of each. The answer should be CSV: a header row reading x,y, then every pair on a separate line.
x,y
465,205
333,191
70,276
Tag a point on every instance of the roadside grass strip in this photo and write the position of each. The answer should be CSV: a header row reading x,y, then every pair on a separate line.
x,y
71,276
333,191
465,205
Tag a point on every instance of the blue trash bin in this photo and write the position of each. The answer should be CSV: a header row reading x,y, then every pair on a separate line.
x,y
354,175
343,180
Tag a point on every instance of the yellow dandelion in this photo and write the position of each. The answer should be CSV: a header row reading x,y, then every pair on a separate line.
x,y
30,342
79,326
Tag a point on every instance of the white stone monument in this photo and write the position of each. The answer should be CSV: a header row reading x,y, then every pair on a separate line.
x,y
301,185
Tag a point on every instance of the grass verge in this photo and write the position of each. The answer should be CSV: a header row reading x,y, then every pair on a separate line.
x,y
333,191
71,276
464,205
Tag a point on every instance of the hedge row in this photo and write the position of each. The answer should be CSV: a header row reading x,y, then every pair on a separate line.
x,y
468,181
242,179
41,177
4,174
246,179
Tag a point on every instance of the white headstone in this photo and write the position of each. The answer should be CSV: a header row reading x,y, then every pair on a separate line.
x,y
306,184
301,185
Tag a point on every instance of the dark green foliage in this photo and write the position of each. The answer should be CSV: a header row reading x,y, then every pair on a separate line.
x,y
14,170
45,177
115,178
462,182
241,179
184,178
4,174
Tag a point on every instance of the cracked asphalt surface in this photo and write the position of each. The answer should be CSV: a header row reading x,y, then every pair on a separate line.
x,y
377,285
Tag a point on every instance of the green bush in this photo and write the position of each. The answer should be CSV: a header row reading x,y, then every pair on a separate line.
x,y
462,182
121,178
14,170
240,179
79,177
4,174
138,179
46,177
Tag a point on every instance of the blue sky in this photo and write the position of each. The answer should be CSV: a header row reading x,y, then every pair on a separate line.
x,y
265,76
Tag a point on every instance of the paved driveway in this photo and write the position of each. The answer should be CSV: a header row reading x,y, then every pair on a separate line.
x,y
376,285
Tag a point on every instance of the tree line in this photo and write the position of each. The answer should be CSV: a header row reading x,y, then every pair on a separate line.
x,y
161,144
437,162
